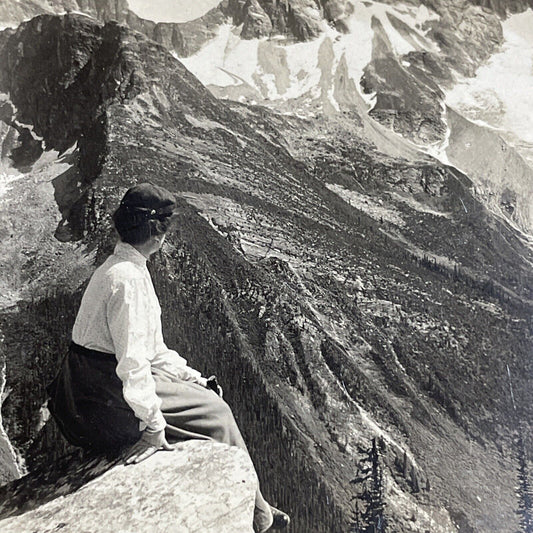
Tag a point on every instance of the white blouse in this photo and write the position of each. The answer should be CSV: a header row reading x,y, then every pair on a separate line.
x,y
120,314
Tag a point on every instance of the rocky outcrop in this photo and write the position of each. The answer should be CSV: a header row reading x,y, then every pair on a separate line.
x,y
408,88
200,487
9,468
504,180
184,38
296,19
299,19
256,22
404,102
466,35
336,12
504,7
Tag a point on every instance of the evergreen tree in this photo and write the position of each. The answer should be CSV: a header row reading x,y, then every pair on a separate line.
x,y
371,518
525,508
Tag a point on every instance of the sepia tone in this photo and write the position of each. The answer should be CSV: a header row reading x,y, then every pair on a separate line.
x,y
352,255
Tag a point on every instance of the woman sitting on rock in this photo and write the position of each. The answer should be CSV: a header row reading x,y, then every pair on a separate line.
x,y
119,383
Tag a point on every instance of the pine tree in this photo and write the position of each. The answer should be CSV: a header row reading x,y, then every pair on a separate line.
x,y
370,474
525,507
376,503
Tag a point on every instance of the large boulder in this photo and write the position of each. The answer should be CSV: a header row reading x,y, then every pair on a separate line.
x,y
200,487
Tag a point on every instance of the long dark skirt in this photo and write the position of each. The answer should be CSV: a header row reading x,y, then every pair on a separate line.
x,y
86,401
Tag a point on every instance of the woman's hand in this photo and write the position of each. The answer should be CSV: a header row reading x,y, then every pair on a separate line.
x,y
212,383
147,445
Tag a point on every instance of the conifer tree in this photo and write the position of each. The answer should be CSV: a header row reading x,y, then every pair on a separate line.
x,y
525,507
370,474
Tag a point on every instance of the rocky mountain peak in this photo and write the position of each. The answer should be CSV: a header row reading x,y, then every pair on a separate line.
x,y
50,88
256,23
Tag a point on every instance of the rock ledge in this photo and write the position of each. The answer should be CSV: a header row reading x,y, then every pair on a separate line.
x,y
200,487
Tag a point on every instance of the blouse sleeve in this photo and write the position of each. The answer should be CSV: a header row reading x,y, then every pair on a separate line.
x,y
170,362
130,332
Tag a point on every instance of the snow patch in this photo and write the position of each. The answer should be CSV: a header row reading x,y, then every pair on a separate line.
x,y
280,70
174,11
6,177
423,14
224,60
74,12
29,127
500,94
438,149
4,24
400,45
368,205
8,458
411,17
304,68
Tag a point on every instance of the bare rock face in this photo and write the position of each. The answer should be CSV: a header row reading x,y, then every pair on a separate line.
x,y
299,19
184,38
404,103
503,178
9,468
466,34
504,7
408,89
200,487
256,21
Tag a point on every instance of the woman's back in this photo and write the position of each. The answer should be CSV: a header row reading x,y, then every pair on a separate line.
x,y
122,279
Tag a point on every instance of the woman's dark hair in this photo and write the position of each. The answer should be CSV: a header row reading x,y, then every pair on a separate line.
x,y
136,225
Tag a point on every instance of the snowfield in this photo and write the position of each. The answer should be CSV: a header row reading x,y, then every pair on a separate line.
x,y
501,93
309,68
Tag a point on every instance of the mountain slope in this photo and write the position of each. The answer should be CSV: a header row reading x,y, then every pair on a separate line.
x,y
394,63
342,295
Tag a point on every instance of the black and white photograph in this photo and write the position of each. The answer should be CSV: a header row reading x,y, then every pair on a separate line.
x,y
266,265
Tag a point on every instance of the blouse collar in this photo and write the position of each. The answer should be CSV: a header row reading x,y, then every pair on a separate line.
x,y
129,253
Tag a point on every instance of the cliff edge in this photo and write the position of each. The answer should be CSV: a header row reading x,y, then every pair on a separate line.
x,y
200,487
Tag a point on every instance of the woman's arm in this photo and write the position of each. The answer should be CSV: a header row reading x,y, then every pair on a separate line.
x,y
130,331
171,363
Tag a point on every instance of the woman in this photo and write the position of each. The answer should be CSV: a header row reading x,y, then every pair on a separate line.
x,y
119,384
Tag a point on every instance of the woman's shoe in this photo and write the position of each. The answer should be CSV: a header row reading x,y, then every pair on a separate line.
x,y
281,519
